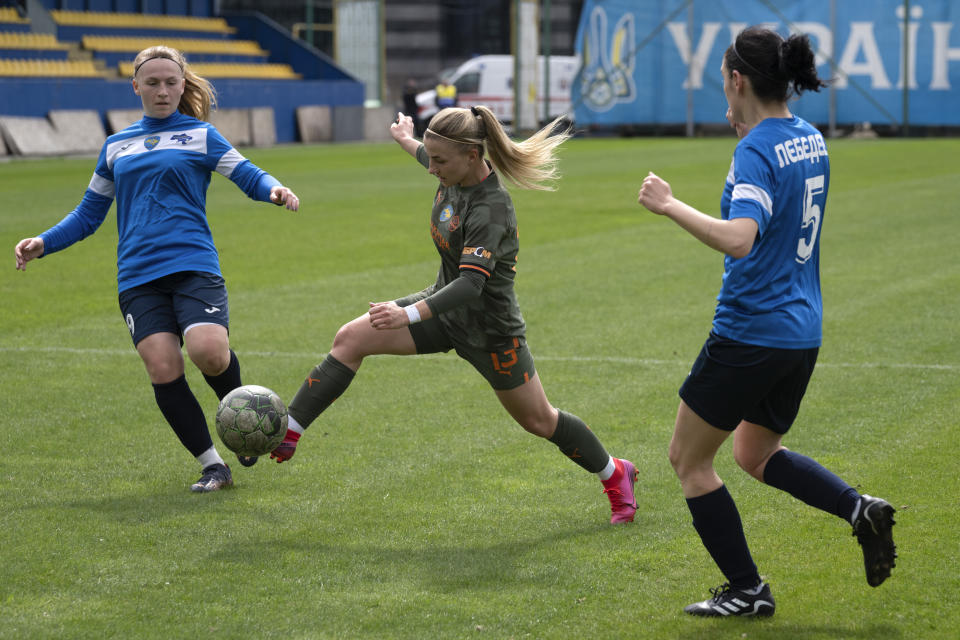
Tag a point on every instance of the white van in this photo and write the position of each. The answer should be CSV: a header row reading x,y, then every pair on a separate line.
x,y
488,80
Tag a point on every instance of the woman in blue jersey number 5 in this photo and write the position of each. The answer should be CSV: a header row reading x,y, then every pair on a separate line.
x,y
753,370
171,292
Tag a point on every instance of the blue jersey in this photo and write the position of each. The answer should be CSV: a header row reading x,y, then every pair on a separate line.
x,y
159,170
779,177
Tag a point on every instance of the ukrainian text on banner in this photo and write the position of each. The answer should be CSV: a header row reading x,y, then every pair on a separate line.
x,y
644,61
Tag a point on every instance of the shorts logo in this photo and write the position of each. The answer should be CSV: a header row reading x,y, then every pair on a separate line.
x,y
446,214
479,252
212,309
130,323
151,142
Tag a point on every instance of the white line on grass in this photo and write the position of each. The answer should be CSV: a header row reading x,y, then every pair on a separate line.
x,y
596,359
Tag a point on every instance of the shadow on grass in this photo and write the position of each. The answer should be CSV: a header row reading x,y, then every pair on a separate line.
x,y
770,628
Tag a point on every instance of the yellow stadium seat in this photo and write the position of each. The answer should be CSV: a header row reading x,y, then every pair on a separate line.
x,y
9,15
186,45
140,21
48,68
20,40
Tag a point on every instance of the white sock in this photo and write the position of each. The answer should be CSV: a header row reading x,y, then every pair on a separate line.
x,y
209,457
293,425
607,471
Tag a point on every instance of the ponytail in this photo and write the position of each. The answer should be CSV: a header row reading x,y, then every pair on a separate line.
x,y
530,164
777,68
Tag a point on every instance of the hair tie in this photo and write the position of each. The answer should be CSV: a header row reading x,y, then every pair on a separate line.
x,y
137,68
475,111
750,66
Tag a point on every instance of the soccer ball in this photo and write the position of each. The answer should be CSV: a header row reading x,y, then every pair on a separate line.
x,y
252,420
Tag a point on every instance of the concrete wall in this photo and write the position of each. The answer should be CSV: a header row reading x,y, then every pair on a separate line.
x,y
63,133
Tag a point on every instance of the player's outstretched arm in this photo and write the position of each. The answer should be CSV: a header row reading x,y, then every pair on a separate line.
x,y
732,237
402,132
26,250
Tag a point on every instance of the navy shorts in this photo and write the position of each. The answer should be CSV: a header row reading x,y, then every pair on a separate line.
x,y
174,303
505,366
731,381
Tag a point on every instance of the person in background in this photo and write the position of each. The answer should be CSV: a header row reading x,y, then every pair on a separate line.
x,y
410,104
472,307
753,370
446,94
171,291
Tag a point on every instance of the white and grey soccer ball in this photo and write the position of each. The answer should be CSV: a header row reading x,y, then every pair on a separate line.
x,y
252,420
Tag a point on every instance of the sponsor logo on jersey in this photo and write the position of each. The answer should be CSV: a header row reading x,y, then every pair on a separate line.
x,y
182,138
151,142
446,214
479,252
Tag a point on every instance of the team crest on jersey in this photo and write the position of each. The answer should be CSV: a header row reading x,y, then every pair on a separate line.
x,y
446,214
454,223
182,138
151,142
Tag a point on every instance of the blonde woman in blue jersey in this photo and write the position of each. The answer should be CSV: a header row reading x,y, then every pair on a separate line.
x,y
472,307
754,368
171,292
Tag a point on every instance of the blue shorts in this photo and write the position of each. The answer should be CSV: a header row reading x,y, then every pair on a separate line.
x,y
505,367
174,303
731,381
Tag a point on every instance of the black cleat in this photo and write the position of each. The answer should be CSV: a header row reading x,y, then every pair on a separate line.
x,y
247,461
873,528
727,601
214,477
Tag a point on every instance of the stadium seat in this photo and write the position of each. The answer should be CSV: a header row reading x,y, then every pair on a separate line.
x,y
10,15
141,21
20,40
186,45
49,68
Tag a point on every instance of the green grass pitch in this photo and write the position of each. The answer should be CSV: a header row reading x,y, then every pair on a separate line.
x,y
415,508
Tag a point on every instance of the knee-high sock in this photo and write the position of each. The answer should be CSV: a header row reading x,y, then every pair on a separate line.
x,y
716,519
227,381
326,383
182,411
806,479
578,442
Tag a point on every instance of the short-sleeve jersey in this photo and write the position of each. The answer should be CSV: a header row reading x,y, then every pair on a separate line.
x,y
159,170
475,228
779,177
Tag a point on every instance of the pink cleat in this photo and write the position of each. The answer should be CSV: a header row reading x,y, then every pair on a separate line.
x,y
619,489
287,448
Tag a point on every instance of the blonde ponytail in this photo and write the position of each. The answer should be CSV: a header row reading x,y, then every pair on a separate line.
x,y
199,96
531,164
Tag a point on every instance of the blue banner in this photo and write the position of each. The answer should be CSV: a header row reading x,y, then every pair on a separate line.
x,y
645,61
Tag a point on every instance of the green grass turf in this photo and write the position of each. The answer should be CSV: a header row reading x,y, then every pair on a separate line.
x,y
415,508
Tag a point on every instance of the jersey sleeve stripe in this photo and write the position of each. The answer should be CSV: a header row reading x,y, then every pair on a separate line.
x,y
475,268
752,192
228,162
102,186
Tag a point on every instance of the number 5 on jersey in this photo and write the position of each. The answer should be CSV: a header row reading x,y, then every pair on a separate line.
x,y
811,218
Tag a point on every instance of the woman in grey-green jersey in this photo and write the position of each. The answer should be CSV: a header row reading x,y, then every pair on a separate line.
x,y
472,307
